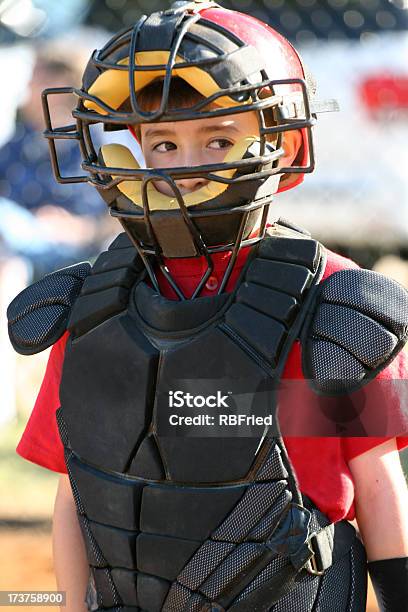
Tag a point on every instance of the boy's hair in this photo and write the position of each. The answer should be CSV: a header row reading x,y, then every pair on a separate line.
x,y
181,95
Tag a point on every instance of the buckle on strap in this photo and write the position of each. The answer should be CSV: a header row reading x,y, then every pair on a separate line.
x,y
315,566
329,545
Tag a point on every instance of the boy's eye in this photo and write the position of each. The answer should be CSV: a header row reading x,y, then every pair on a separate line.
x,y
220,143
163,147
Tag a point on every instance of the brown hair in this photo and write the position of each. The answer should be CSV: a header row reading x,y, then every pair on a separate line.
x,y
181,95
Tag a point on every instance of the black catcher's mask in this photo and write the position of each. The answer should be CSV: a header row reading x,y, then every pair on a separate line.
x,y
237,64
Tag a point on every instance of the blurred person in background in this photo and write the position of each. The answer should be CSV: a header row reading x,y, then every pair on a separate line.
x,y
50,224
43,225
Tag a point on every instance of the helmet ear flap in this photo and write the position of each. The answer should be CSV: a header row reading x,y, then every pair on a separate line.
x,y
293,179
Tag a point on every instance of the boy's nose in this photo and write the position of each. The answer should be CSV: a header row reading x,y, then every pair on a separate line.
x,y
192,184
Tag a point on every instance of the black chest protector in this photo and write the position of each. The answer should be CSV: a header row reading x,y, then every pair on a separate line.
x,y
180,522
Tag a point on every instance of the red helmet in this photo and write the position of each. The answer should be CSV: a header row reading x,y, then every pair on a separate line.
x,y
237,64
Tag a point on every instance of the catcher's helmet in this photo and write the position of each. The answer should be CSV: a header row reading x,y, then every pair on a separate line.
x,y
237,64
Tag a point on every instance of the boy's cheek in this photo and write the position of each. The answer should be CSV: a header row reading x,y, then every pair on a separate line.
x,y
148,158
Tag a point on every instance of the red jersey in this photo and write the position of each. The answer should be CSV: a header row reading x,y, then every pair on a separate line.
x,y
321,463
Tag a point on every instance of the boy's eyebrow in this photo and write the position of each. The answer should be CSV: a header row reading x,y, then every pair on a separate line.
x,y
158,132
218,128
204,130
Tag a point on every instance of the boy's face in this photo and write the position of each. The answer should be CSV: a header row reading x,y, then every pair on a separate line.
x,y
193,143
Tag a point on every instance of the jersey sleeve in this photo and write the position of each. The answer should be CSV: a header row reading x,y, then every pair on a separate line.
x,y
396,402
40,442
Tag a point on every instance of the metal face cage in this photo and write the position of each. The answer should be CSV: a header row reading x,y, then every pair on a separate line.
x,y
291,111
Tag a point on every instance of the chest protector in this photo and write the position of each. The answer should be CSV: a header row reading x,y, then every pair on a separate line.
x,y
194,519
187,522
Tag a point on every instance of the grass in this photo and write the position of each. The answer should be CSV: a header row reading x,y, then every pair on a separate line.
x,y
27,490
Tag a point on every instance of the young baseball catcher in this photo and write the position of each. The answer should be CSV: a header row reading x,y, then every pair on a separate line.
x,y
190,481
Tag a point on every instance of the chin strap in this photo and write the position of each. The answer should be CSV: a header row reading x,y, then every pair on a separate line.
x,y
390,582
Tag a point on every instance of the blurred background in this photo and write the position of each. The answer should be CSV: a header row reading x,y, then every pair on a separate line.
x,y
356,201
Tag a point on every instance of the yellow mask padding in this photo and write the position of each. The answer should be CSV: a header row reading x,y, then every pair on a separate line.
x,y
112,86
119,156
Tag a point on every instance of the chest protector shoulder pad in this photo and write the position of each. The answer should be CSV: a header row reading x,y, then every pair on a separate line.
x,y
357,326
37,317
